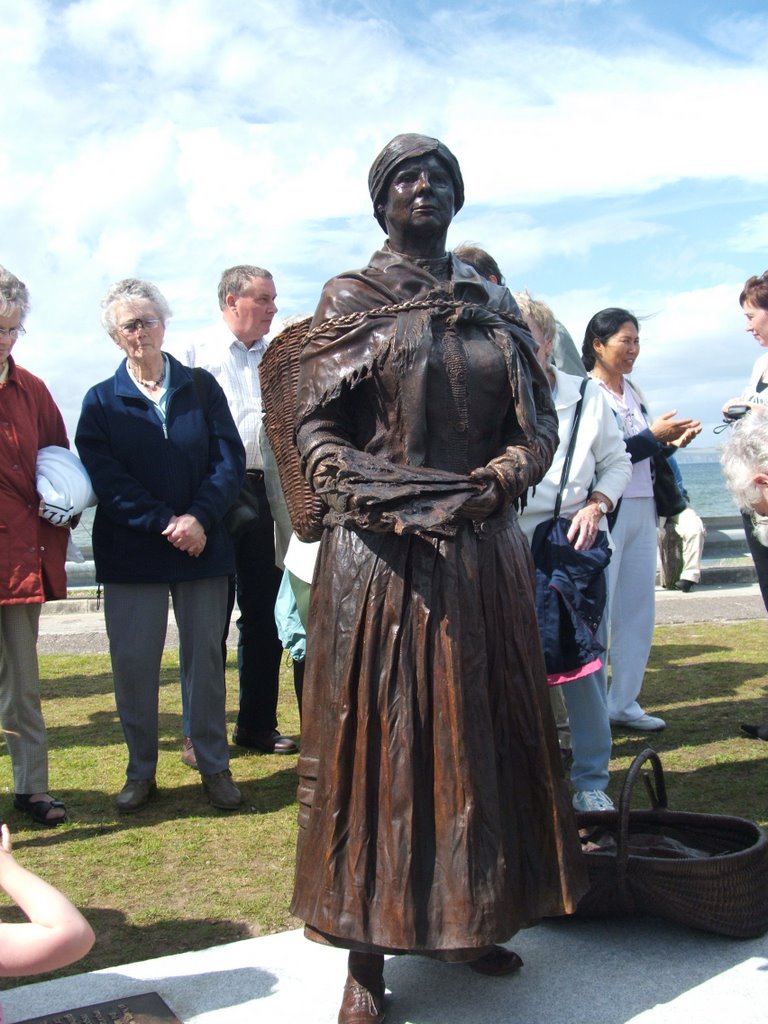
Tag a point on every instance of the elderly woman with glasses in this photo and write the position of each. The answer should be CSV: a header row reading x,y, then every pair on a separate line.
x,y
744,459
754,303
166,462
33,556
433,817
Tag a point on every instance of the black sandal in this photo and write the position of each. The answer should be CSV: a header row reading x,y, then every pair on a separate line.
x,y
38,810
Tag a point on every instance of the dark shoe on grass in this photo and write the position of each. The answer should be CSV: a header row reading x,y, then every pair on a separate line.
x,y
134,794
221,790
757,732
267,742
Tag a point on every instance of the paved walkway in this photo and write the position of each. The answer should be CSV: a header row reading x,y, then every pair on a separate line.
x,y
632,971
76,627
609,972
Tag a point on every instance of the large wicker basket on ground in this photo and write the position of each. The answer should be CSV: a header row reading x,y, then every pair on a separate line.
x,y
709,871
279,374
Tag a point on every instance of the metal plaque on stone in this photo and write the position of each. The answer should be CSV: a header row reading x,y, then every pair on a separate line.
x,y
148,1008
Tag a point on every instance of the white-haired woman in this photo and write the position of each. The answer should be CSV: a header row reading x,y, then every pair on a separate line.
x,y
34,553
744,459
166,462
754,303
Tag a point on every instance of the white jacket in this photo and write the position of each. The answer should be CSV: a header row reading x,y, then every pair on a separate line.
x,y
750,393
600,459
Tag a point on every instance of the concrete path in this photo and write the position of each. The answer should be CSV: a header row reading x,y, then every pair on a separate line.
x,y
77,626
609,972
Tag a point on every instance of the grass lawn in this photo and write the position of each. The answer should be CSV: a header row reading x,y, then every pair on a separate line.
x,y
180,875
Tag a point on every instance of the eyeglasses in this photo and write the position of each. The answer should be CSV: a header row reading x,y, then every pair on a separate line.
x,y
12,332
134,326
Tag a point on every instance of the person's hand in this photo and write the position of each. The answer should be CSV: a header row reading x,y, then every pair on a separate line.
x,y
187,534
56,515
734,401
740,406
668,430
484,504
687,436
584,526
5,838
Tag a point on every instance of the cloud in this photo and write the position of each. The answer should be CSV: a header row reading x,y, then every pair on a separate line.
x,y
751,234
171,140
694,352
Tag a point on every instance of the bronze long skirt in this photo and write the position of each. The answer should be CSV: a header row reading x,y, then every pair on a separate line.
x,y
433,813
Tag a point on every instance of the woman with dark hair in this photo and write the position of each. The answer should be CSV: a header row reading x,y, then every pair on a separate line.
x,y
611,347
754,301
433,813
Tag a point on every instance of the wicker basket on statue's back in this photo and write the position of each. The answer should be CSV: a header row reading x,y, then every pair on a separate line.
x,y
279,374
722,886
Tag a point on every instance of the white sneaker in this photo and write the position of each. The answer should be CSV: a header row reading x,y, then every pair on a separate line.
x,y
592,800
645,723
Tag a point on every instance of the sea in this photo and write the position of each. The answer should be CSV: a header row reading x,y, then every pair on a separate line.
x,y
701,473
704,482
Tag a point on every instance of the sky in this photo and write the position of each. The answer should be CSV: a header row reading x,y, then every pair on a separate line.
x,y
612,151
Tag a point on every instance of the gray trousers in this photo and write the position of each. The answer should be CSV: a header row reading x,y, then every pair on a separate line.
x,y
21,717
136,616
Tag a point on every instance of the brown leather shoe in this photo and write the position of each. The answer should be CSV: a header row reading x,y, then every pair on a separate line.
x,y
134,794
188,753
360,1005
221,790
267,742
497,962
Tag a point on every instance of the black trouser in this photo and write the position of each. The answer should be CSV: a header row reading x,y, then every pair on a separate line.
x,y
258,650
759,554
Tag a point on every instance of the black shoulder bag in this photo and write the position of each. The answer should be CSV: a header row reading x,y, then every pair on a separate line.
x,y
570,586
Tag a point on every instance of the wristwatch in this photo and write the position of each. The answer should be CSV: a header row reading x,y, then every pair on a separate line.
x,y
602,506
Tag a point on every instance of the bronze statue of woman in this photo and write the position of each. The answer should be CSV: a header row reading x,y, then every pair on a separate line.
x,y
434,818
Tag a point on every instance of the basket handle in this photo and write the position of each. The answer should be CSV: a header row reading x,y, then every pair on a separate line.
x,y
657,790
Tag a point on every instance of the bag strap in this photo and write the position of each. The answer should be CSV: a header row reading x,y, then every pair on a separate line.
x,y
571,446
202,394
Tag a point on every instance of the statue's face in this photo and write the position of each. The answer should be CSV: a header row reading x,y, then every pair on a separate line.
x,y
420,197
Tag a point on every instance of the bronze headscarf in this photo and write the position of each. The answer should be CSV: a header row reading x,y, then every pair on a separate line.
x,y
396,152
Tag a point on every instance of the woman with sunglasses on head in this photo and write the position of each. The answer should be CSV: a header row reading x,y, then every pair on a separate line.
x,y
754,303
166,462
611,347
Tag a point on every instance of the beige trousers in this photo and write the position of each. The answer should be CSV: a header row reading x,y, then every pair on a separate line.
x,y
21,717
